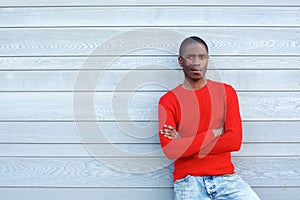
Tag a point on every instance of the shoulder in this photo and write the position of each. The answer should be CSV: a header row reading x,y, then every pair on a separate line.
x,y
168,96
223,89
224,86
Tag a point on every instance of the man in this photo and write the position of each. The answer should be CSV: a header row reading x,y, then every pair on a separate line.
x,y
200,125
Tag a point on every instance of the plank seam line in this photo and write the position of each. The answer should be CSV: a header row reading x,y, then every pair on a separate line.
x,y
155,6
73,121
124,187
150,26
130,157
142,91
284,56
146,69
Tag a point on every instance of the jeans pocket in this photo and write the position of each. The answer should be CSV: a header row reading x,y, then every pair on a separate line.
x,y
185,179
186,188
230,176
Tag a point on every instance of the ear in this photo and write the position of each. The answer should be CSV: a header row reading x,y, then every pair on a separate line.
x,y
180,61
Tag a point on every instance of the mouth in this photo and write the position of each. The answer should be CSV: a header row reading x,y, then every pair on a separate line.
x,y
196,70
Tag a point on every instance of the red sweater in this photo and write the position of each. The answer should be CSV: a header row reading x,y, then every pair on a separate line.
x,y
194,114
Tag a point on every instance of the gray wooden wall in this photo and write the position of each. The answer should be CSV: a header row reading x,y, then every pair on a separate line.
x,y
254,45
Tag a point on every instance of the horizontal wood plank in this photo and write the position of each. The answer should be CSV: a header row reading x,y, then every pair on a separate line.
x,y
149,80
46,172
156,16
133,106
84,193
18,3
265,193
117,132
106,149
133,62
116,41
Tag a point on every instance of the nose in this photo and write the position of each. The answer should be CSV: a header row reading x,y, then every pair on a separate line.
x,y
196,61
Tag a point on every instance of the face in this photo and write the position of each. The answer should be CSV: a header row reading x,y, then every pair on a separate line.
x,y
194,62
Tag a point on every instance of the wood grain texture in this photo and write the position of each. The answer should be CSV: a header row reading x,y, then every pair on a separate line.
x,y
66,132
254,46
18,3
155,16
136,106
86,41
132,62
278,193
148,151
92,193
83,172
146,80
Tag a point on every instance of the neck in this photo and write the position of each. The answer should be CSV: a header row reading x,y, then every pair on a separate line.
x,y
192,85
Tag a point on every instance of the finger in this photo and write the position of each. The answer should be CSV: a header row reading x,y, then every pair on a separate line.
x,y
169,131
165,132
169,127
169,135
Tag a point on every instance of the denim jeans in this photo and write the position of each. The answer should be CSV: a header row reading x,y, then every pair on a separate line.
x,y
226,187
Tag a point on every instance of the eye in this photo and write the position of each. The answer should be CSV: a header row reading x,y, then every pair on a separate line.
x,y
202,57
190,57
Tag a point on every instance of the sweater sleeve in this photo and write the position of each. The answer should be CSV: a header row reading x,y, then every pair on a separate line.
x,y
179,147
187,146
231,139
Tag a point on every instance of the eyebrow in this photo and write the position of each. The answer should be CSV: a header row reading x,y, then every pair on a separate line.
x,y
202,54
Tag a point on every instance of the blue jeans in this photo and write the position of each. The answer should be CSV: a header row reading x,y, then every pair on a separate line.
x,y
226,187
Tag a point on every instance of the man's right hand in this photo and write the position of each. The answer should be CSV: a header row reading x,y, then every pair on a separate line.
x,y
169,132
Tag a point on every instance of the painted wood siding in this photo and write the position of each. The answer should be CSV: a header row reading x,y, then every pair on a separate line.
x,y
44,45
